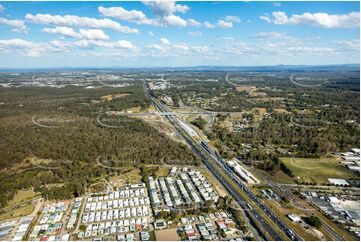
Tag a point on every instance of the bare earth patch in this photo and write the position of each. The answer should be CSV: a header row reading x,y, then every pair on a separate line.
x,y
167,235
110,97
240,88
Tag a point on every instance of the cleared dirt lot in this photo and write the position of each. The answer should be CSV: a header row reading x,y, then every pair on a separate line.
x,y
167,235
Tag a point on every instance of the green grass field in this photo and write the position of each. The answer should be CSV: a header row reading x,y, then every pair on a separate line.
x,y
317,170
18,212
20,205
22,196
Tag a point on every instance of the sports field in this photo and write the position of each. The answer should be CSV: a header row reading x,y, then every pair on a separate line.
x,y
317,170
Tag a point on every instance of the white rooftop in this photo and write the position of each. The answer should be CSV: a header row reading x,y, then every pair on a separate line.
x,y
338,181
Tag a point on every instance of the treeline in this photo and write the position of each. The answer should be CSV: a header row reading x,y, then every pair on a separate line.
x,y
134,143
75,147
278,130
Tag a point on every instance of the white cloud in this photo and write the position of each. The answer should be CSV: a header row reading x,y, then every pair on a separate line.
x,y
24,47
220,24
169,50
324,20
17,25
310,49
1,8
224,25
76,21
166,8
348,45
234,19
167,18
121,13
134,16
181,47
265,18
279,48
208,25
60,45
228,48
173,20
121,44
165,41
151,33
195,34
193,22
272,35
65,31
91,34
157,47
35,49
200,49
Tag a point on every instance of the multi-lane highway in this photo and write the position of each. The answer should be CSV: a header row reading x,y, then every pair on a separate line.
x,y
269,222
284,190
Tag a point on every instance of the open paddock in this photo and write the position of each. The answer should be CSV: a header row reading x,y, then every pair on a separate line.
x,y
317,170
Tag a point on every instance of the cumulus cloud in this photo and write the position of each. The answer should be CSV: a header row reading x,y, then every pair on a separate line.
x,y
65,31
219,24
348,45
271,35
165,41
36,49
121,44
94,34
182,47
310,49
166,48
24,47
193,22
134,16
224,25
77,21
91,34
166,8
265,18
17,25
200,49
166,18
208,25
228,47
234,19
173,20
156,47
324,20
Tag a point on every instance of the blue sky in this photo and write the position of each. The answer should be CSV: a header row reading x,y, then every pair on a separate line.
x,y
168,33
